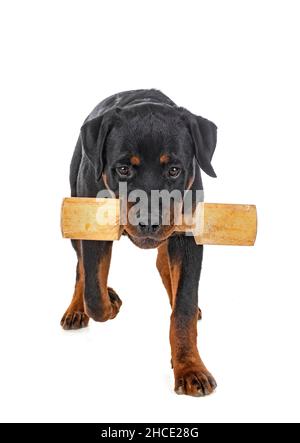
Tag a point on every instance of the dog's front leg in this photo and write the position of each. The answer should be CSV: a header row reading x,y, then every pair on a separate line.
x,y
191,375
100,302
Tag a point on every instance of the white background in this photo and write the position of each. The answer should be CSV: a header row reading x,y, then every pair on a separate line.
x,y
235,62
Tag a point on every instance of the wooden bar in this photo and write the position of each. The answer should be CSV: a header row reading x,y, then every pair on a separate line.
x,y
90,218
226,224
214,224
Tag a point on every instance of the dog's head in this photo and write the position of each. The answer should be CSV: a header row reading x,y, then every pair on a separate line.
x,y
149,147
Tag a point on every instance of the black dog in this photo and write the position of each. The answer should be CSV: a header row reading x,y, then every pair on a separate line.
x,y
142,138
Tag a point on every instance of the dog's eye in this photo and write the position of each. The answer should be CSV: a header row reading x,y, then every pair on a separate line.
x,y
174,172
123,171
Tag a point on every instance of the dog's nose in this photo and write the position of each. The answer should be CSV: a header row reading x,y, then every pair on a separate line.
x,y
146,228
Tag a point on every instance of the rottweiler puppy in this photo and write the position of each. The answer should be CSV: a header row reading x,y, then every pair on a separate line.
x,y
143,139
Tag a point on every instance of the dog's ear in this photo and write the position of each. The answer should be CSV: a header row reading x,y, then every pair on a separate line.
x,y
93,137
204,135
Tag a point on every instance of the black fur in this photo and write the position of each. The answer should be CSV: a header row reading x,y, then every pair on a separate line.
x,y
145,124
119,123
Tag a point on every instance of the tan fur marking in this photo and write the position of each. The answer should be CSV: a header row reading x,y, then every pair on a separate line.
x,y
135,160
164,159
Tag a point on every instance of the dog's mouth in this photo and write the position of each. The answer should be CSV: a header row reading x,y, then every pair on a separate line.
x,y
146,242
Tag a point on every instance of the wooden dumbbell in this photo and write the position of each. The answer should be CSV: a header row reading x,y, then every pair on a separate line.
x,y
214,223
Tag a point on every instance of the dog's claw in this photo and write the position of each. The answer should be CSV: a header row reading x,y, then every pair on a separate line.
x,y
197,383
74,320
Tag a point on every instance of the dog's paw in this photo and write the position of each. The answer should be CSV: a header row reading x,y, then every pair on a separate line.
x,y
104,310
73,319
116,302
197,382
